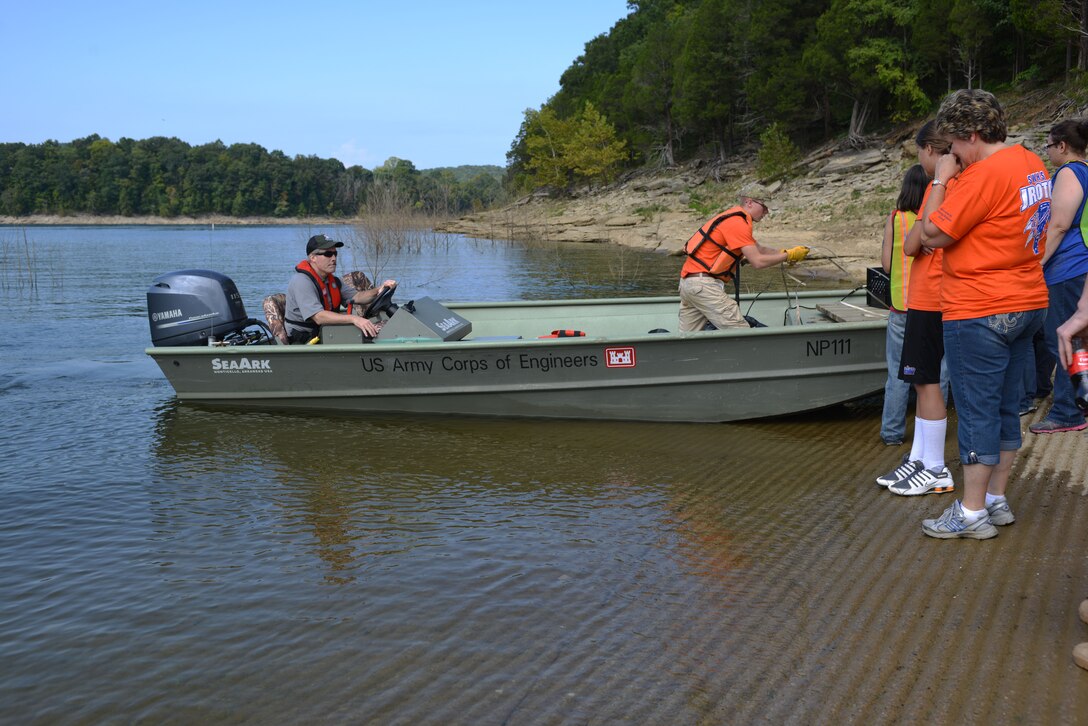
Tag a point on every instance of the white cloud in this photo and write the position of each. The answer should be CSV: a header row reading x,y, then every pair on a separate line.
x,y
351,153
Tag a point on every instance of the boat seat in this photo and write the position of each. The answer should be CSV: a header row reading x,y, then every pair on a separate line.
x,y
274,307
358,280
843,312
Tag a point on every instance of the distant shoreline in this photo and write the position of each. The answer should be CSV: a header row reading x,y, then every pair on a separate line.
x,y
57,220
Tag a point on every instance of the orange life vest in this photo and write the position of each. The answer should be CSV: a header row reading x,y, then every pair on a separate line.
x,y
328,292
726,264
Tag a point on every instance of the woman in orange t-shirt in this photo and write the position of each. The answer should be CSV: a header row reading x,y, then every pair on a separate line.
x,y
991,225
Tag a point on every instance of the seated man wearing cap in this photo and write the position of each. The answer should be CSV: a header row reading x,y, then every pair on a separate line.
x,y
714,255
315,295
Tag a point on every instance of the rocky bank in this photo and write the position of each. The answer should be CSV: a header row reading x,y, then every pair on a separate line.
x,y
835,202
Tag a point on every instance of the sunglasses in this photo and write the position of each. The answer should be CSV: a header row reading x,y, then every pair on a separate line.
x,y
327,253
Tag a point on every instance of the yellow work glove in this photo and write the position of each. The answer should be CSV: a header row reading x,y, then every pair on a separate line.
x,y
795,254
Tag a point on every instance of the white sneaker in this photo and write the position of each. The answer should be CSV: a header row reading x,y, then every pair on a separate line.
x,y
953,524
1000,513
924,481
900,472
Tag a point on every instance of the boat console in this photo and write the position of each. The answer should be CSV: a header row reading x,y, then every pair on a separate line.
x,y
420,319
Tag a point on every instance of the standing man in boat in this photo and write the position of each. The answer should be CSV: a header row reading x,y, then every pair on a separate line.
x,y
714,255
315,295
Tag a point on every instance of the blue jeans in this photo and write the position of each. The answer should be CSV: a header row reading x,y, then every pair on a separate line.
x,y
893,422
986,358
1063,303
1038,371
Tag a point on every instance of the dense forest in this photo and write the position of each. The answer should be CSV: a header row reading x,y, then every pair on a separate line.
x,y
678,79
167,177
671,81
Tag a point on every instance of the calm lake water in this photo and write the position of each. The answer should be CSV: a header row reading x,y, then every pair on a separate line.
x,y
168,563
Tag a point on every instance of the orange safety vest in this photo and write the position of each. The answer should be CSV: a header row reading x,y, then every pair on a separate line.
x,y
725,263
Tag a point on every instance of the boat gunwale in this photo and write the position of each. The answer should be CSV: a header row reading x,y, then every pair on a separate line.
x,y
423,344
656,299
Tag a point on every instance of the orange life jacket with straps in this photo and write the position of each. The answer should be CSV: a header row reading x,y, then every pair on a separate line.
x,y
726,260
727,263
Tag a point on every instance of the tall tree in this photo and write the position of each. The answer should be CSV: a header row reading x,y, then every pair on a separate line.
x,y
707,77
650,93
932,42
860,53
562,152
778,86
972,24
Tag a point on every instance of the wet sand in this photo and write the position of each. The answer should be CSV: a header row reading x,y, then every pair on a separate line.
x,y
860,618
817,598
882,624
806,594
912,629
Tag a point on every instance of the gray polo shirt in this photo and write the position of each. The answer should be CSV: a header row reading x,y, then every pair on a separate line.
x,y
303,300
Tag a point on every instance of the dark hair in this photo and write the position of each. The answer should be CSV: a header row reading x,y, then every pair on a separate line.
x,y
928,135
972,111
1073,132
913,189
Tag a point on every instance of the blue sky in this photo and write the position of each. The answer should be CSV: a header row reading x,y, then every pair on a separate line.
x,y
438,83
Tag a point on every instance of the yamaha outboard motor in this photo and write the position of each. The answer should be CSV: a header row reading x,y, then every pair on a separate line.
x,y
188,307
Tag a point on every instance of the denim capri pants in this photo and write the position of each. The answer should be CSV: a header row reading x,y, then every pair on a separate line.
x,y
986,359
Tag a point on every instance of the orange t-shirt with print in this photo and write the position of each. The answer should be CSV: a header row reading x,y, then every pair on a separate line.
x,y
997,215
733,233
925,277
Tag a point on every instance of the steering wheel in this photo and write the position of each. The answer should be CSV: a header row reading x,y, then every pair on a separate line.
x,y
383,302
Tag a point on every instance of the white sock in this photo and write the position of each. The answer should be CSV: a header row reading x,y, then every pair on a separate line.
x,y
973,515
918,445
991,498
933,433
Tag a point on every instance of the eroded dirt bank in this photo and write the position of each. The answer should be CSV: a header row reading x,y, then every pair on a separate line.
x,y
836,204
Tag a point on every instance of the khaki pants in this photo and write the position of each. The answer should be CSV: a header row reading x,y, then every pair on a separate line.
x,y
703,299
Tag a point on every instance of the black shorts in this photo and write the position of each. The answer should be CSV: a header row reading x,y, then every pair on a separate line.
x,y
923,347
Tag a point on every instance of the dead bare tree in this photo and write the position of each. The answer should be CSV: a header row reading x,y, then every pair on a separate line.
x,y
1076,12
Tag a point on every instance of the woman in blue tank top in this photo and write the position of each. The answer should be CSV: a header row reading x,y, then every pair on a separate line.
x,y
1065,261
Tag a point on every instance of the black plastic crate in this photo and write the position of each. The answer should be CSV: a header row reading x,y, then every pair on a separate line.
x,y
878,287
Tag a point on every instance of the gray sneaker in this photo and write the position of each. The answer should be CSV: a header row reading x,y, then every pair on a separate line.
x,y
924,481
1000,514
900,472
952,525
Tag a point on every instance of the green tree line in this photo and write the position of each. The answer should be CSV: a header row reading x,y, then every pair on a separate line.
x,y
167,177
678,79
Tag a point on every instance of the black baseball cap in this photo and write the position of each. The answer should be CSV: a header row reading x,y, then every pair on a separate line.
x,y
321,242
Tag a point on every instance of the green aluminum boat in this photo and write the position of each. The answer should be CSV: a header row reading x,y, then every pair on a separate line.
x,y
527,359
